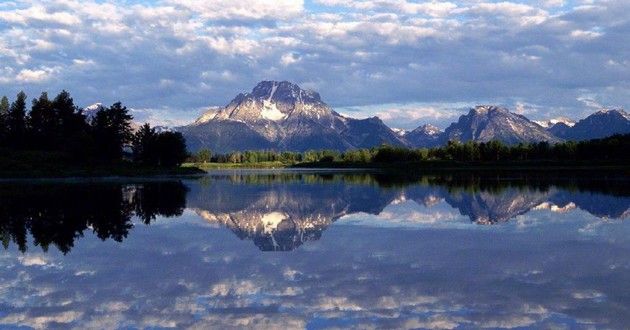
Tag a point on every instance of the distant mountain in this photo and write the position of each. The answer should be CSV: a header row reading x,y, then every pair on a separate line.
x,y
487,123
91,110
283,116
424,136
559,129
601,124
555,121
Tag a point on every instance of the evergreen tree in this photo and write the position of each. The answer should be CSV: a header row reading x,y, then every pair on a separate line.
x,y
171,147
111,129
4,115
166,149
143,145
71,129
16,122
39,122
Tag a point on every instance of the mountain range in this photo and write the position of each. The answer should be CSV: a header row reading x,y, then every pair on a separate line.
x,y
282,116
282,217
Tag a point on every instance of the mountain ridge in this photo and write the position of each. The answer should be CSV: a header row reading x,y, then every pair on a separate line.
x,y
280,115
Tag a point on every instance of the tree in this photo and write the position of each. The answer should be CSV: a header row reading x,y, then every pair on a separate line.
x,y
40,122
16,122
69,122
166,149
171,147
4,115
143,145
111,129
204,155
4,106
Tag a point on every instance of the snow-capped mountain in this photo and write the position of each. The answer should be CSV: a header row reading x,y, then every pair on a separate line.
x,y
91,110
424,136
552,122
283,116
601,124
486,123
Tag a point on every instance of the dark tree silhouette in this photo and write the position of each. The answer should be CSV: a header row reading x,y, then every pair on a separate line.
x,y
167,149
16,122
41,122
111,130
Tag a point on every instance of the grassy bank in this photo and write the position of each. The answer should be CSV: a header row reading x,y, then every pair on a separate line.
x,y
32,164
448,165
220,166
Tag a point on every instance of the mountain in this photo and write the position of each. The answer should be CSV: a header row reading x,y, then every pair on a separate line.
x,y
424,136
559,129
548,124
283,116
486,123
601,124
91,110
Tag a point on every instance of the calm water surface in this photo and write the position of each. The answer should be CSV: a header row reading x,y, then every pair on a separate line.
x,y
272,249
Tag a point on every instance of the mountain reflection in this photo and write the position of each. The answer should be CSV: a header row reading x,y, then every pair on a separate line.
x,y
279,212
58,214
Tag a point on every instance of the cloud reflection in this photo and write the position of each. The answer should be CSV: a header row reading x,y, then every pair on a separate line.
x,y
182,273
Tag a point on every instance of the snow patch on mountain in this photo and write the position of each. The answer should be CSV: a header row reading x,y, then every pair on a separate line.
x,y
552,122
399,131
270,111
207,116
91,110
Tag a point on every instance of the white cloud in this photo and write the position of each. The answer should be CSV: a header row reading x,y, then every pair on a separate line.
x,y
242,9
581,34
355,53
36,76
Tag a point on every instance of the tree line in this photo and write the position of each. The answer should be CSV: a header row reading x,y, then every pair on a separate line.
x,y
614,148
58,125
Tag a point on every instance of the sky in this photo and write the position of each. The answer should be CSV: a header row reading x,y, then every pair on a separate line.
x,y
408,62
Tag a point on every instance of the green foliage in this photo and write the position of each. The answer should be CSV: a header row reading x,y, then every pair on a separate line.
x,y
204,155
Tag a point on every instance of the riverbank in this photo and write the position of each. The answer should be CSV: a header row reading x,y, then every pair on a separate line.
x,y
447,165
57,165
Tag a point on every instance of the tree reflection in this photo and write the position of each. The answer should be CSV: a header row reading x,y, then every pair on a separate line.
x,y
58,214
281,211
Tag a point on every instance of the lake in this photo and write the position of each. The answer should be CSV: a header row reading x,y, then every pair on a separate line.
x,y
317,249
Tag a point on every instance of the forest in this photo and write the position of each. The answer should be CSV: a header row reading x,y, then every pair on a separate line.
x,y
614,149
56,130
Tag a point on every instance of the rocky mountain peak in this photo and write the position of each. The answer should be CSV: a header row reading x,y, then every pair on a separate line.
x,y
281,115
91,110
273,101
284,92
487,110
601,124
487,122
613,112
429,129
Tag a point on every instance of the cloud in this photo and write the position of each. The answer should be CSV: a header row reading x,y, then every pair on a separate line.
x,y
36,76
355,53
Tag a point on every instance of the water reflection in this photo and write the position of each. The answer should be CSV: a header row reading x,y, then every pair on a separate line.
x,y
58,214
571,271
281,211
